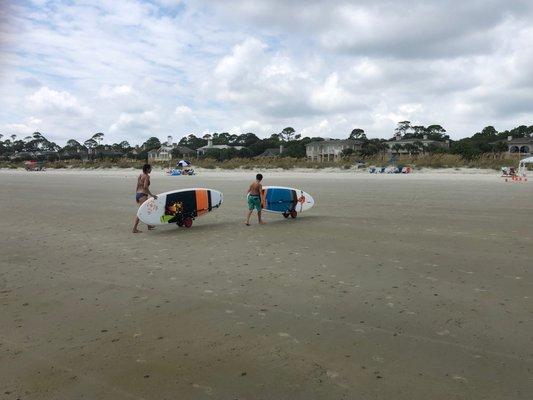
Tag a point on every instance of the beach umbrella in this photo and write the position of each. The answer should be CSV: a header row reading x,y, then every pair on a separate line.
x,y
183,163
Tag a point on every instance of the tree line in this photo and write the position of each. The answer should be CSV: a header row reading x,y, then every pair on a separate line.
x,y
248,145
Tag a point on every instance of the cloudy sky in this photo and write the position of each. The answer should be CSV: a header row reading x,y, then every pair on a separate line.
x,y
135,69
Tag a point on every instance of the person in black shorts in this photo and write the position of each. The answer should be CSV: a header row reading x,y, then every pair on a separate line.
x,y
142,193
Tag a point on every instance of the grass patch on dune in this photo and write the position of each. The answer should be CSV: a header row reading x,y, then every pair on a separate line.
x,y
486,161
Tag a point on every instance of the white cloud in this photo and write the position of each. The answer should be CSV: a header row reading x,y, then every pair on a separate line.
x,y
253,126
331,96
145,121
51,101
182,110
25,128
109,92
176,66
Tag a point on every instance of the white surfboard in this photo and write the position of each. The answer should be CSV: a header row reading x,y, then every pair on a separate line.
x,y
179,206
286,200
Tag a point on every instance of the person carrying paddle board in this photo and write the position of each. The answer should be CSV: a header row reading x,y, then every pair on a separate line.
x,y
254,199
142,193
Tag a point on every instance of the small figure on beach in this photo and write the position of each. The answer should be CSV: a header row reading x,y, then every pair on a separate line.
x,y
254,199
142,193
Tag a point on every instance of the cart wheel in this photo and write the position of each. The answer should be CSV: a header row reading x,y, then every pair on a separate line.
x,y
180,223
187,222
286,215
293,214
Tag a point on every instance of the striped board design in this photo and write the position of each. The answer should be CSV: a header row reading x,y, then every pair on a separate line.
x,y
284,200
177,205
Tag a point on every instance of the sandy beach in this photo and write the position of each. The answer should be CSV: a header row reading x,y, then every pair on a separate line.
x,y
393,287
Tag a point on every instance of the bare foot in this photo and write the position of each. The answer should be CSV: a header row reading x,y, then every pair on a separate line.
x,y
137,231
151,227
262,223
247,224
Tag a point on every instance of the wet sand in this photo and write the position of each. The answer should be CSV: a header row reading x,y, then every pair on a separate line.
x,y
392,287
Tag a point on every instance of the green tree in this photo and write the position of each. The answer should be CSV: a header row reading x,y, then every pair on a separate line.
x,y
90,143
500,147
295,149
347,152
397,147
411,148
403,127
38,136
221,138
152,143
418,145
192,142
73,143
489,131
247,139
98,137
221,154
357,134
418,132
372,147
436,132
232,139
288,134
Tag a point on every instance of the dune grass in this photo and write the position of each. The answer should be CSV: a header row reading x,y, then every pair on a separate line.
x,y
486,161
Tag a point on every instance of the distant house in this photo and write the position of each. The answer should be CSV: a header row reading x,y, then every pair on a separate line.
x,y
522,145
22,155
210,146
272,152
397,143
35,154
330,149
78,153
109,152
163,153
183,150
105,151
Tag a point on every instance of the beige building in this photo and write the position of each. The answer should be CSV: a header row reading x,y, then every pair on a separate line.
x,y
330,149
520,145
164,153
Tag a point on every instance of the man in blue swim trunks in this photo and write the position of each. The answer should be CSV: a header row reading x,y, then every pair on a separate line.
x,y
254,199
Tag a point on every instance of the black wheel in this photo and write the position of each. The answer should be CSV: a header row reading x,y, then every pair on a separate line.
x,y
294,214
187,222
285,215
180,223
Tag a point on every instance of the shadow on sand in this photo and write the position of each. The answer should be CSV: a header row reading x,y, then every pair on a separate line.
x,y
172,229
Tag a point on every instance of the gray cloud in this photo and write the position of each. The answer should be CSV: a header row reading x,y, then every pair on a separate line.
x,y
323,67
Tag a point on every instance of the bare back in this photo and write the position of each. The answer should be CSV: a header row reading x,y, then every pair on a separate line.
x,y
255,188
143,182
